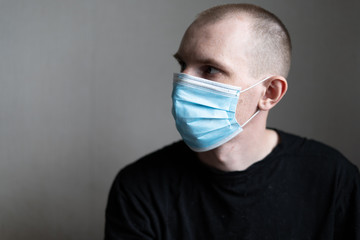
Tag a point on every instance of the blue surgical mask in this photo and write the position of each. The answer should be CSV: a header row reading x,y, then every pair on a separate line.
x,y
204,111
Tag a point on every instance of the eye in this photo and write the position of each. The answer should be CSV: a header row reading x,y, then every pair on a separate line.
x,y
211,70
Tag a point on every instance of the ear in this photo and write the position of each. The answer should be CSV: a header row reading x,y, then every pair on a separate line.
x,y
276,87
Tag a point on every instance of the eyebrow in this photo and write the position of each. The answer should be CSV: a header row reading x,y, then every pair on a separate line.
x,y
207,61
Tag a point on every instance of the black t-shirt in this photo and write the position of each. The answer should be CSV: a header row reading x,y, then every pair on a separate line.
x,y
301,190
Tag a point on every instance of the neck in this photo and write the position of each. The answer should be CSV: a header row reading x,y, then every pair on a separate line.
x,y
248,147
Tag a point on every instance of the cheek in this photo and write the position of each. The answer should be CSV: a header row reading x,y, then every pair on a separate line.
x,y
240,110
246,107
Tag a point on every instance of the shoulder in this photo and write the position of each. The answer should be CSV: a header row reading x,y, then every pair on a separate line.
x,y
155,169
315,154
162,159
139,194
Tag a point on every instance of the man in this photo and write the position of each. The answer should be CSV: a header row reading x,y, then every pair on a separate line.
x,y
231,177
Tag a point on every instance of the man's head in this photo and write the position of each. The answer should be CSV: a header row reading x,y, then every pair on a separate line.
x,y
269,49
239,44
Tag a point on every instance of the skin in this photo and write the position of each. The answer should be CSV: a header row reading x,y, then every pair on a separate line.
x,y
218,51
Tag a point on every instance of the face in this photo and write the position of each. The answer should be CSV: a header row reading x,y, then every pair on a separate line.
x,y
218,52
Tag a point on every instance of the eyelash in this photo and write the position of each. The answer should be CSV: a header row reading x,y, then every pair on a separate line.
x,y
206,70
209,68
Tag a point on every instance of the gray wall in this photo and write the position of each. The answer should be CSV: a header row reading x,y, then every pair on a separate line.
x,y
85,89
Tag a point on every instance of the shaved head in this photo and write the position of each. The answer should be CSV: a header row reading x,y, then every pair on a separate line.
x,y
269,52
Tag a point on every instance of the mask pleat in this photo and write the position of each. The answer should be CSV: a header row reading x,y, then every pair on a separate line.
x,y
204,114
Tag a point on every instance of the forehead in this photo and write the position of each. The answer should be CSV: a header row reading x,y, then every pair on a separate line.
x,y
227,40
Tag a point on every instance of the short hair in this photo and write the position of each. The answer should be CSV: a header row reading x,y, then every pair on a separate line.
x,y
271,46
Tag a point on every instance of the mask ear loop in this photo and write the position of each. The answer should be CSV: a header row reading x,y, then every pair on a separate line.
x,y
255,84
250,118
257,112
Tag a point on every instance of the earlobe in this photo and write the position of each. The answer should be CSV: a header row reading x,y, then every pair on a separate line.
x,y
276,88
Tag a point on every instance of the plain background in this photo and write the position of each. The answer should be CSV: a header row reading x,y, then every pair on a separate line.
x,y
85,89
